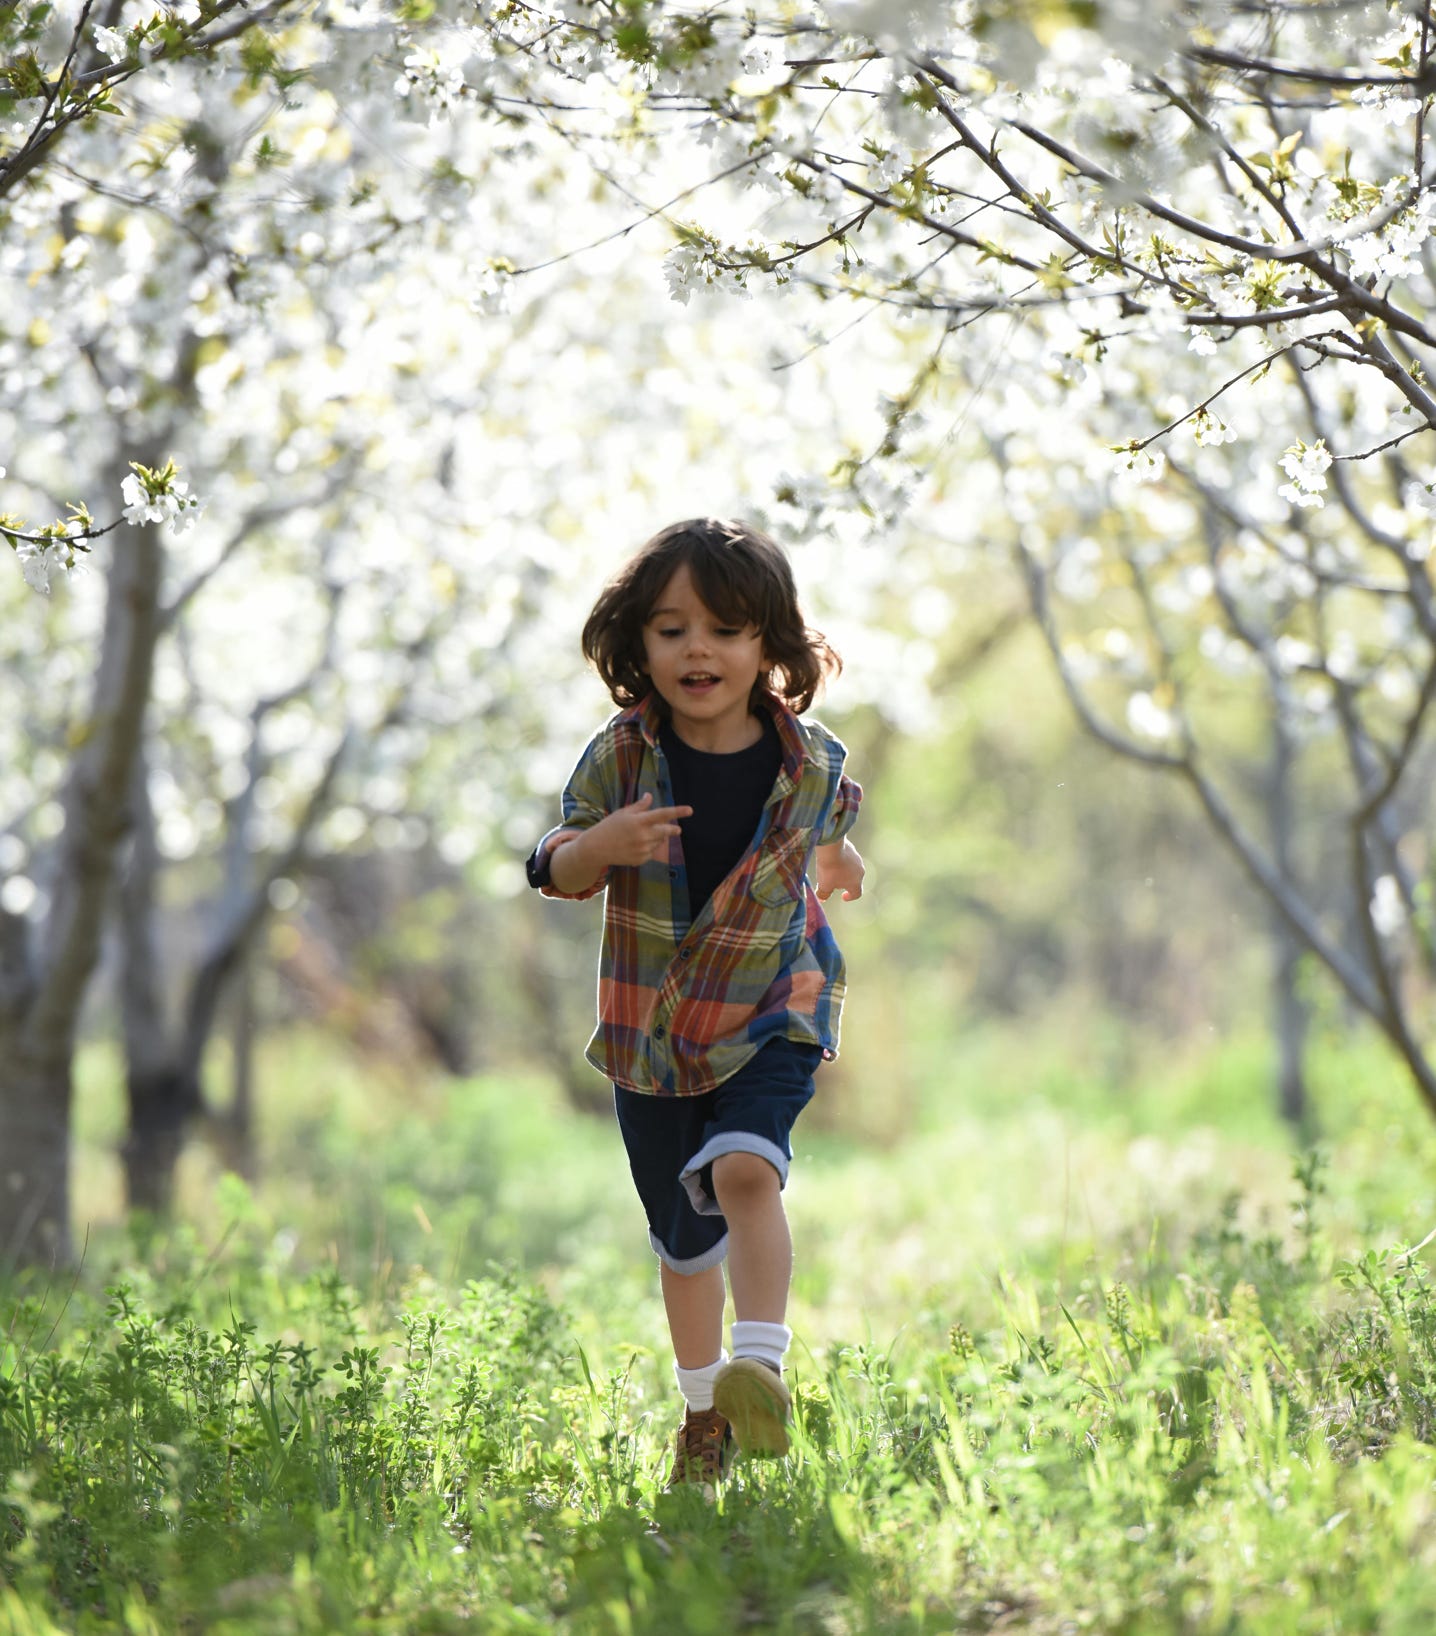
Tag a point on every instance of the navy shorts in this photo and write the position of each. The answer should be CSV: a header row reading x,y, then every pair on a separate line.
x,y
672,1142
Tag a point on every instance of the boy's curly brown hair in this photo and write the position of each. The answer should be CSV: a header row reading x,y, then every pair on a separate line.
x,y
742,576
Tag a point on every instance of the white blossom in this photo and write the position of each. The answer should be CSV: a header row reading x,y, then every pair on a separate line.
x,y
884,492
1387,104
18,895
433,80
175,505
709,72
1388,912
1396,686
1395,251
1141,465
681,267
1147,718
1293,654
808,494
1202,342
139,508
886,173
761,58
491,292
1117,644
1306,466
39,559
116,46
1208,430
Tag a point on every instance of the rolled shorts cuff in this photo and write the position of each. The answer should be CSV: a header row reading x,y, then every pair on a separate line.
x,y
695,1263
728,1141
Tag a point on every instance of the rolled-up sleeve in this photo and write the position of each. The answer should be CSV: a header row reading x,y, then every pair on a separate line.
x,y
843,813
589,795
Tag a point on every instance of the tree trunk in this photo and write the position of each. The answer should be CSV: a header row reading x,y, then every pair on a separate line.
x,y
1289,1014
39,1040
236,1130
34,1160
1291,1019
162,1101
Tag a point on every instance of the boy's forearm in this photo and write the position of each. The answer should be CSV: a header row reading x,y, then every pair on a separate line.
x,y
576,865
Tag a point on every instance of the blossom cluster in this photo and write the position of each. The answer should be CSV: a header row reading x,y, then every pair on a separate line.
x,y
161,497
1306,466
1395,250
39,559
433,80
139,23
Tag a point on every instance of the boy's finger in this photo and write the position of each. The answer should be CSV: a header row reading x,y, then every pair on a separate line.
x,y
661,813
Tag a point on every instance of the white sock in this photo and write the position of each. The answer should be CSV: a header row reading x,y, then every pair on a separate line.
x,y
697,1384
765,1342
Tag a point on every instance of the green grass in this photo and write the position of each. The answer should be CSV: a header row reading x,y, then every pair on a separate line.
x,y
1065,1363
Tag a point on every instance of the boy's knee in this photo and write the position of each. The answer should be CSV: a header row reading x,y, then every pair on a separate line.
x,y
740,1178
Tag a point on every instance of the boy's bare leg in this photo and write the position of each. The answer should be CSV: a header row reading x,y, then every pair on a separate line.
x,y
760,1248
694,1304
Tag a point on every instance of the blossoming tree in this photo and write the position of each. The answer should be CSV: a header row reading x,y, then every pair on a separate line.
x,y
284,297
177,305
1173,264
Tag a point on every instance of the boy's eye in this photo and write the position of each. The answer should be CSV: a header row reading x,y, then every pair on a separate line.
x,y
670,632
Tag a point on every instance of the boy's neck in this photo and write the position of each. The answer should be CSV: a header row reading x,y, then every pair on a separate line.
x,y
719,737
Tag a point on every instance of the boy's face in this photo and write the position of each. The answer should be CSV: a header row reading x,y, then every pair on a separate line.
x,y
703,668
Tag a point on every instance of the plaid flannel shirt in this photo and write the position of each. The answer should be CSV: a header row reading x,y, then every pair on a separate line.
x,y
682,1006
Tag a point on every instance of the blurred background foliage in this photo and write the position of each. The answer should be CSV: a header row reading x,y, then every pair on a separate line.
x,y
1048,933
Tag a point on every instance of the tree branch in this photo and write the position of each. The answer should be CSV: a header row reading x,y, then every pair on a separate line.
x,y
1263,872
1419,85
238,929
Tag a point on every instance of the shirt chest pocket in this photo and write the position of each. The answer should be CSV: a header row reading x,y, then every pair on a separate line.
x,y
778,875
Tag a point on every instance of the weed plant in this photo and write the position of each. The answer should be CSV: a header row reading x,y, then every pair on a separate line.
x,y
1238,1440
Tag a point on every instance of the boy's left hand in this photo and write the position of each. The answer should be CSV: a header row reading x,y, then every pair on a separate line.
x,y
840,869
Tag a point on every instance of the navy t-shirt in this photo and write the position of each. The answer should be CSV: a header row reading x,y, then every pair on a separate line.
x,y
727,793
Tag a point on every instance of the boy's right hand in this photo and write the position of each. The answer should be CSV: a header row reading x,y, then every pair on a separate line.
x,y
636,833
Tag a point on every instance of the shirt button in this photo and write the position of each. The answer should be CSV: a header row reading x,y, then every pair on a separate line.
x,y
658,1032
673,874
683,954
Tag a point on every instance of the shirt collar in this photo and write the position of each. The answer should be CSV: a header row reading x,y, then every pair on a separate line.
x,y
649,719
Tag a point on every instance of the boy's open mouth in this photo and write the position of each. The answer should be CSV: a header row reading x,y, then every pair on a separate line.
x,y
698,681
